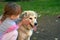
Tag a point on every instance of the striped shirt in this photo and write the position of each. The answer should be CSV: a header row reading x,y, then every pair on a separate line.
x,y
7,26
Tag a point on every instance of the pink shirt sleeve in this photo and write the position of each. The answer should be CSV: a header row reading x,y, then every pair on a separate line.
x,y
14,27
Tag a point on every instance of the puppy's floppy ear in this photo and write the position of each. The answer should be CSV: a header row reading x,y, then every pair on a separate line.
x,y
25,14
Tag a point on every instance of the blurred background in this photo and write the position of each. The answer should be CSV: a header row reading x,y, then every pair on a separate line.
x,y
48,22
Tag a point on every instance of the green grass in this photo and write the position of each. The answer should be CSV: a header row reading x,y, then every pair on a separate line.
x,y
43,7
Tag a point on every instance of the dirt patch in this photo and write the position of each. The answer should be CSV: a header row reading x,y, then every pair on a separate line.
x,y
48,28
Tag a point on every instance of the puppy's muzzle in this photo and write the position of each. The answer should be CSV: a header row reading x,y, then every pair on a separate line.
x,y
35,24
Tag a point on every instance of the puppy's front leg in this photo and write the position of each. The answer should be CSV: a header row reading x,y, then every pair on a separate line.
x,y
28,38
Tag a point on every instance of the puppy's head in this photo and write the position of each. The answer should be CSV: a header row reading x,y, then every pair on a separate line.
x,y
31,16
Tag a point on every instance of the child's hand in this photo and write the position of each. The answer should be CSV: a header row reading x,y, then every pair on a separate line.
x,y
25,22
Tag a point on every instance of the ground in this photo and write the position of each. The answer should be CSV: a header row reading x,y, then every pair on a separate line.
x,y
48,28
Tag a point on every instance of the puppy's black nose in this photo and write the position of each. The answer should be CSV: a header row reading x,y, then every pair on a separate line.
x,y
35,24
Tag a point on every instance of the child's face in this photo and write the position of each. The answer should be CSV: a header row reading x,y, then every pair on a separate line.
x,y
13,17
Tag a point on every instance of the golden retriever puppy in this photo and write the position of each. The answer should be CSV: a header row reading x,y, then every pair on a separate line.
x,y
26,31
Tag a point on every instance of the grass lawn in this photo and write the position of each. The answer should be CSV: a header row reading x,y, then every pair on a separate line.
x,y
43,7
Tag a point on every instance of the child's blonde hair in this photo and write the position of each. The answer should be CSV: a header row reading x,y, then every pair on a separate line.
x,y
11,9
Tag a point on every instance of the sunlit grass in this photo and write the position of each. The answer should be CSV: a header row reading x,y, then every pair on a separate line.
x,y
47,7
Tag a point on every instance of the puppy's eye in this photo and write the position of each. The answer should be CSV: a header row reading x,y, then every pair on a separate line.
x,y
35,17
30,18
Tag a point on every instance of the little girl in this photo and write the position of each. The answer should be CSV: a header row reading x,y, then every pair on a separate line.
x,y
8,28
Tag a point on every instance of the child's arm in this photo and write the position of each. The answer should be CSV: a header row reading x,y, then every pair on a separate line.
x,y
7,26
13,27
16,26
